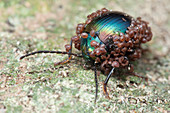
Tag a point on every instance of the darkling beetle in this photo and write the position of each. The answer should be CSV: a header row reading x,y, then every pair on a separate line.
x,y
109,39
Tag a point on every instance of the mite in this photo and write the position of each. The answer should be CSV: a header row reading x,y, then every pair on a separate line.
x,y
110,40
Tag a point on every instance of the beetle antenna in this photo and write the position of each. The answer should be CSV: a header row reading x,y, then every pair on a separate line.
x,y
45,51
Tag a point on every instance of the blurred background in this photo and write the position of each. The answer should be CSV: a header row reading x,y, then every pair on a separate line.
x,y
34,85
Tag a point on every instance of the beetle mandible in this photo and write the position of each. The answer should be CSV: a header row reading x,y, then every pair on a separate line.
x,y
108,39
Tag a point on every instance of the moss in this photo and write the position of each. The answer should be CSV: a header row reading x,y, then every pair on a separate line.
x,y
35,85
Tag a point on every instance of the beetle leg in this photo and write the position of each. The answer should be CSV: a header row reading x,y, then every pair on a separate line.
x,y
96,82
66,60
135,74
105,83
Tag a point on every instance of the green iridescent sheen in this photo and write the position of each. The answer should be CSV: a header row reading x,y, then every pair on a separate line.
x,y
111,23
86,47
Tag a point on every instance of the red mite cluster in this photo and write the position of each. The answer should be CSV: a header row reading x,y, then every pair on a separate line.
x,y
80,28
121,48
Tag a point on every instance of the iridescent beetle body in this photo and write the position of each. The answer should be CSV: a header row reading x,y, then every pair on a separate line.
x,y
108,24
86,48
110,40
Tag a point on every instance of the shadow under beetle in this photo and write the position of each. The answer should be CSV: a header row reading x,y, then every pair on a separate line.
x,y
110,40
